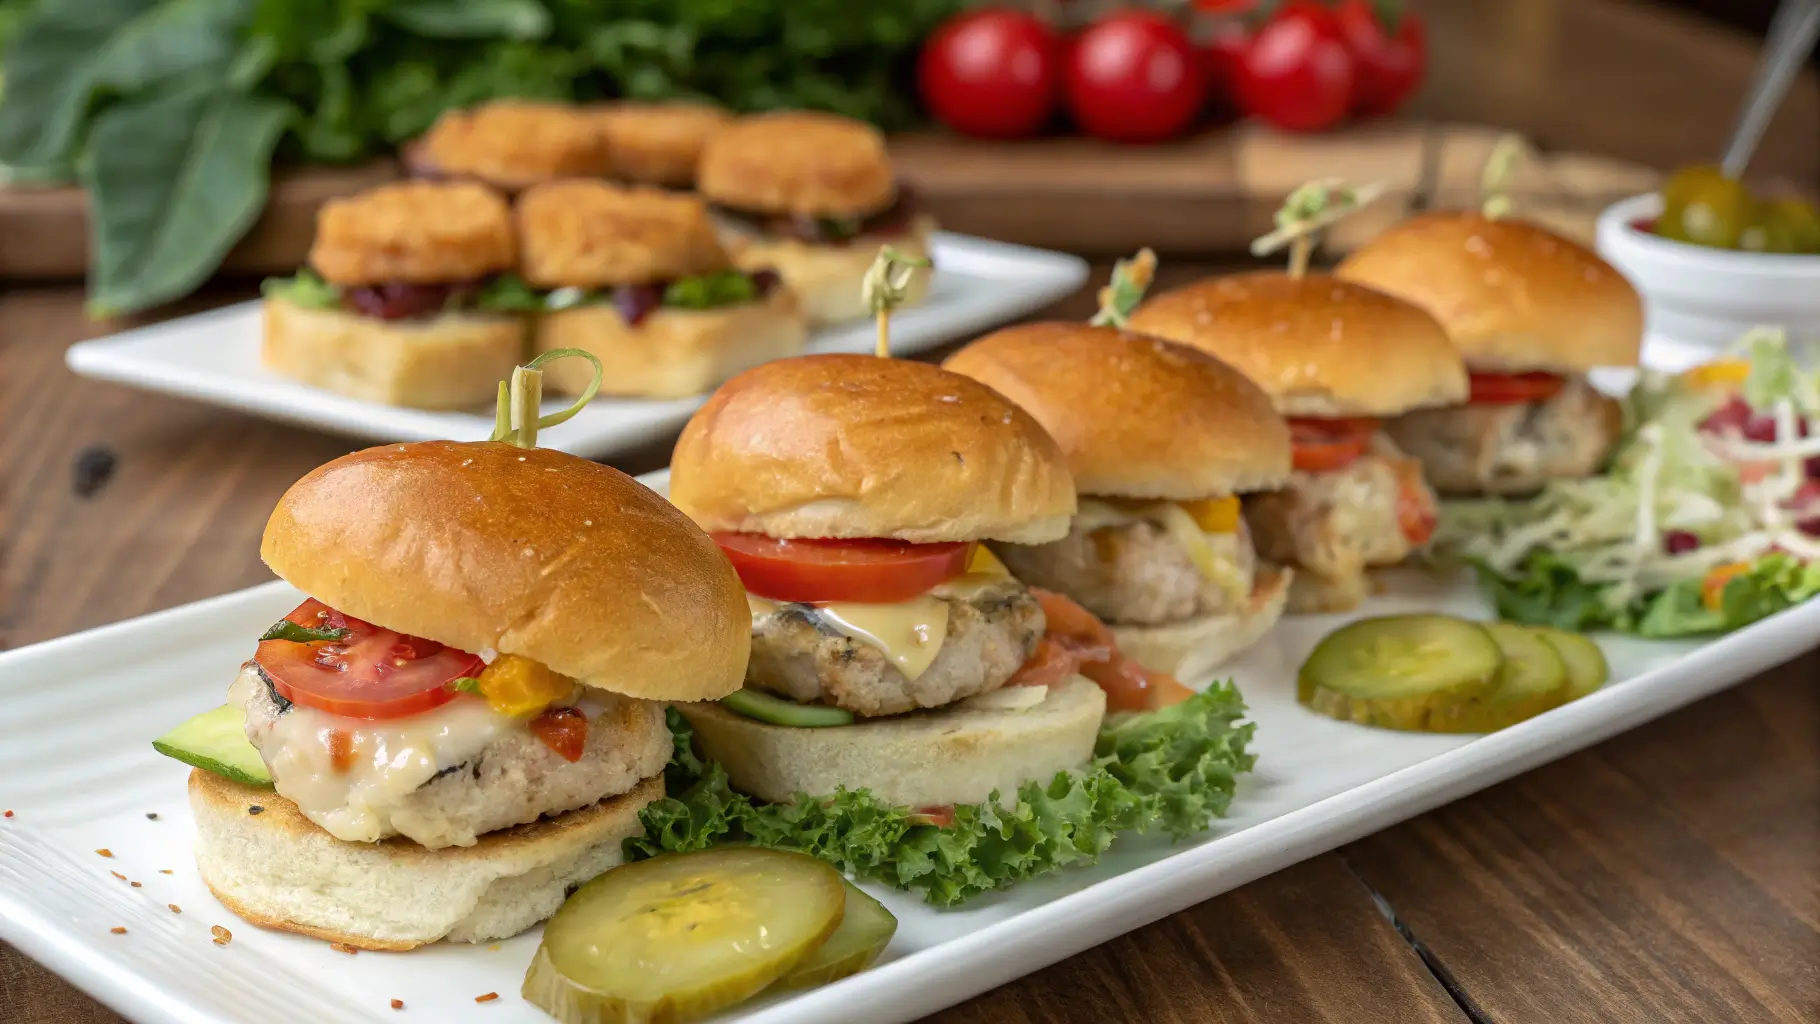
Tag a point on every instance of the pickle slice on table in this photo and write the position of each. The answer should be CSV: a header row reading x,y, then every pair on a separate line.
x,y
865,930
1587,669
683,935
1532,679
1397,671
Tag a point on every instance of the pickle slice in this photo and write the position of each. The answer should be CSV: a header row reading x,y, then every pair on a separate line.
x,y
772,709
1532,679
865,930
1587,669
683,935
1396,671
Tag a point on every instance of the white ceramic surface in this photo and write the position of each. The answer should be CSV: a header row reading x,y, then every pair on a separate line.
x,y
1706,298
77,767
214,357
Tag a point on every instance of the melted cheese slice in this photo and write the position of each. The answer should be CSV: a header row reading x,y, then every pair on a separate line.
x,y
909,634
1211,555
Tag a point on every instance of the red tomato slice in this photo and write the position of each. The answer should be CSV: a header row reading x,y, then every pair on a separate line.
x,y
1514,388
1320,446
1076,641
867,570
370,673
939,815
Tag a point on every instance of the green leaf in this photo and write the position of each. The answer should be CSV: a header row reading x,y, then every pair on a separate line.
x,y
470,19
709,291
285,629
174,178
508,293
1546,591
304,290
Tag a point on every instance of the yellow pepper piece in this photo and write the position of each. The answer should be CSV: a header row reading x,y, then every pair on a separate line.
x,y
1712,588
1214,515
520,687
1726,374
985,563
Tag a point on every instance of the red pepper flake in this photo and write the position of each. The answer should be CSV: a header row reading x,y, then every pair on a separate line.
x,y
489,997
105,852
342,947
222,935
9,814
397,1004
563,730
118,929
175,909
118,875
341,750
137,885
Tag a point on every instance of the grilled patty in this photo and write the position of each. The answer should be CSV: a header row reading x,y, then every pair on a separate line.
x,y
1512,449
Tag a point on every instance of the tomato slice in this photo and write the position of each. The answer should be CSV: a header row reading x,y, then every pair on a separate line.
x,y
1076,641
1321,446
873,571
564,731
369,673
1514,388
1417,516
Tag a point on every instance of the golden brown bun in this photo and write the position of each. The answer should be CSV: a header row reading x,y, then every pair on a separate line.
x,y
589,234
658,143
827,278
276,869
524,551
1319,346
1514,297
857,446
1137,417
422,232
514,144
452,361
798,162
672,352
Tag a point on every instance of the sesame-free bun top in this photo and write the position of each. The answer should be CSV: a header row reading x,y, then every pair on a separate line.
x,y
1514,297
658,143
589,234
525,551
1136,416
1320,347
858,446
798,162
514,144
420,232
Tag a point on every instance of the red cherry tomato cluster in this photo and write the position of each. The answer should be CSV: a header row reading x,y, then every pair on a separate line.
x,y
1139,75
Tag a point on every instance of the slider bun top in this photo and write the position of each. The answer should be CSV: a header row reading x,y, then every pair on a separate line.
x,y
858,446
513,144
1515,297
658,143
418,232
590,234
525,551
798,162
1136,416
1320,347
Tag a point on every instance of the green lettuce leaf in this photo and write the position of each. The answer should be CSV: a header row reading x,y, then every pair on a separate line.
x,y
508,293
708,291
1172,771
303,289
1546,591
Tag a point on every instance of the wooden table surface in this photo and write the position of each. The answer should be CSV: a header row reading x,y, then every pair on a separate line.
x,y
1670,874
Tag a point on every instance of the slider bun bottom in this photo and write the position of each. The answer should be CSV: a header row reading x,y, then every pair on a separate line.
x,y
453,361
1310,594
921,759
276,869
1190,648
672,353
827,278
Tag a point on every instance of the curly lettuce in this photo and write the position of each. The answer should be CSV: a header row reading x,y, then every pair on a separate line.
x,y
1545,590
1171,771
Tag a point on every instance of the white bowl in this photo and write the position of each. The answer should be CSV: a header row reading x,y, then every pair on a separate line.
x,y
1694,295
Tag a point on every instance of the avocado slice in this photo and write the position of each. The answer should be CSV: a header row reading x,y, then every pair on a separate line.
x,y
215,741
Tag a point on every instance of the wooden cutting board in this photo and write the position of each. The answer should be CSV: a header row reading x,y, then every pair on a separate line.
x,y
1205,196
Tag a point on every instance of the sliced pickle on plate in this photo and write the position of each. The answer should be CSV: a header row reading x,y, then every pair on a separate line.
x,y
683,936
1398,671
1587,669
1532,679
865,930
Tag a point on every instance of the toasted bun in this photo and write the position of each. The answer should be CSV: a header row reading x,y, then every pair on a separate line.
x,y
514,144
658,143
589,234
421,232
1136,416
798,162
1319,346
827,278
454,361
1191,648
928,758
524,551
672,353
1514,296
276,869
857,446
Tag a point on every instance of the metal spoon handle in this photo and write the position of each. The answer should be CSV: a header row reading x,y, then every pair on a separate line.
x,y
1791,39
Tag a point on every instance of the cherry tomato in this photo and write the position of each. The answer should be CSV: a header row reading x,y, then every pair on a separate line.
x,y
870,571
1223,49
994,73
1320,446
1298,73
564,731
1388,57
369,673
1514,388
1700,205
1133,76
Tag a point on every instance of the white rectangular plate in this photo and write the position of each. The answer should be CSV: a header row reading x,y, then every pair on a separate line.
x,y
76,765
214,357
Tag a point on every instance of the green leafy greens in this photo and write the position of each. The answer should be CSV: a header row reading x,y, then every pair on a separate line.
x,y
1170,771
285,629
707,291
1545,590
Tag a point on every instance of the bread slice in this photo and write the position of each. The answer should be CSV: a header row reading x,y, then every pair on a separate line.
x,y
954,755
827,278
453,361
275,868
672,353
1311,594
1193,647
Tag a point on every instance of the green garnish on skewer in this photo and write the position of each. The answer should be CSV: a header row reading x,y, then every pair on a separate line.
x,y
1125,289
1307,211
887,286
515,417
